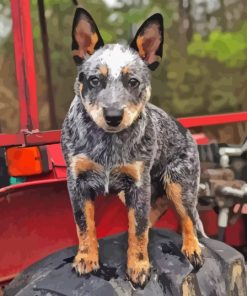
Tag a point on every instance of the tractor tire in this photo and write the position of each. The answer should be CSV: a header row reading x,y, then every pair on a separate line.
x,y
222,274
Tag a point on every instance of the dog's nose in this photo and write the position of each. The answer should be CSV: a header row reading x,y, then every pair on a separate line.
x,y
113,117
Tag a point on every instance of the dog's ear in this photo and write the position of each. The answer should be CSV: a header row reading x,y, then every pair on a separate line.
x,y
149,41
85,35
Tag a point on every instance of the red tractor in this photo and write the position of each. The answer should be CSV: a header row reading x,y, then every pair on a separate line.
x,y
36,216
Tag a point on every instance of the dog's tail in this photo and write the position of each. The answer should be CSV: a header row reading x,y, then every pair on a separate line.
x,y
198,223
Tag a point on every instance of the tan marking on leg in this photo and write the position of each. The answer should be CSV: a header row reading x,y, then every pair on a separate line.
x,y
157,210
134,170
174,192
81,163
87,258
121,196
137,256
190,242
103,70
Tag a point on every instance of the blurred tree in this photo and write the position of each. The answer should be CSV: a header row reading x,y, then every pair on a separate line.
x,y
185,26
203,71
9,118
222,12
229,49
59,14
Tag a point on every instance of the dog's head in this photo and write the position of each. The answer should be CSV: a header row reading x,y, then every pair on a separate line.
x,y
113,80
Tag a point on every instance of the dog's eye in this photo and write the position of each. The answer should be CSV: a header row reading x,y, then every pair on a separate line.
x,y
133,83
94,81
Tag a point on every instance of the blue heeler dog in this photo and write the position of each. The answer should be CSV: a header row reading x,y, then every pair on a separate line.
x,y
115,142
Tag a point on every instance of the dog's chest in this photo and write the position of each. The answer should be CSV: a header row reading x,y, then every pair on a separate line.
x,y
111,162
108,167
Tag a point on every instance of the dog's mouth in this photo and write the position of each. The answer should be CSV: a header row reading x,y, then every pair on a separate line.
x,y
112,130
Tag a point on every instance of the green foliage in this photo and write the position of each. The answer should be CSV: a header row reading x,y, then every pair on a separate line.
x,y
205,76
229,48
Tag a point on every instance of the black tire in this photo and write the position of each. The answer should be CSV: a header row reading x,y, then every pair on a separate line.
x,y
223,272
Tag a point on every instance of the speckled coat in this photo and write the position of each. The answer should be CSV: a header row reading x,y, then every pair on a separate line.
x,y
146,155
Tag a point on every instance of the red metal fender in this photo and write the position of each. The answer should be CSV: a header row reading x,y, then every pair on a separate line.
x,y
37,220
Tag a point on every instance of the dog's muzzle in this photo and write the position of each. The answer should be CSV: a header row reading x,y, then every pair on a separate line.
x,y
113,117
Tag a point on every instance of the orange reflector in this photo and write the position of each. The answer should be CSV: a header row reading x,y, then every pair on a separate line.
x,y
25,161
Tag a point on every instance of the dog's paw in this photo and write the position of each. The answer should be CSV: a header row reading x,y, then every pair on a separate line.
x,y
192,250
139,272
85,263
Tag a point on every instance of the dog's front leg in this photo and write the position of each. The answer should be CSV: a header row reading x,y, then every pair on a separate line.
x,y
87,257
81,195
138,203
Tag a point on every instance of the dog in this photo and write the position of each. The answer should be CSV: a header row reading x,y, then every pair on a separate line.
x,y
115,142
